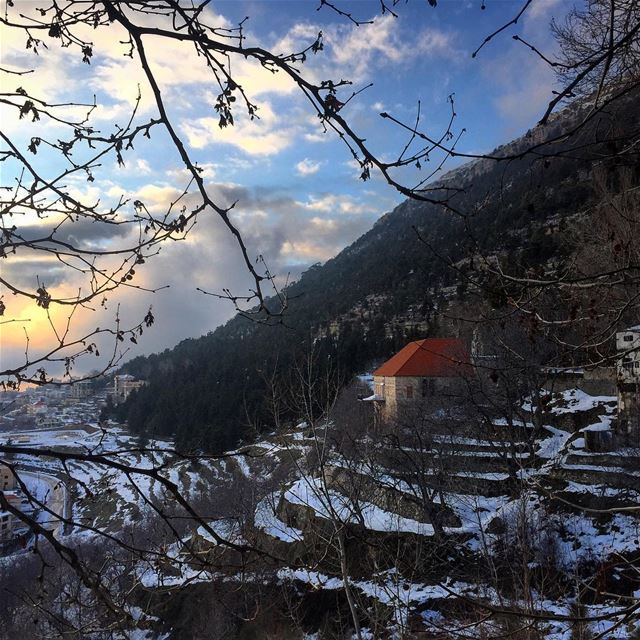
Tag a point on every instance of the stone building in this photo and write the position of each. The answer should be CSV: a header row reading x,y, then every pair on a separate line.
x,y
423,372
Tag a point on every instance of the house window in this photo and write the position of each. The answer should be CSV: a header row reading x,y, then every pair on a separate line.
x,y
409,391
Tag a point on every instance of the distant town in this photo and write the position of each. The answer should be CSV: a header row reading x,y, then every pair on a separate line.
x,y
64,417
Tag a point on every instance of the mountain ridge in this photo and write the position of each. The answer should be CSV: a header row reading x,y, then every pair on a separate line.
x,y
385,288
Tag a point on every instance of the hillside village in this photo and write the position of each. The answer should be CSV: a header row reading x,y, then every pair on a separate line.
x,y
296,343
438,501
63,418
434,503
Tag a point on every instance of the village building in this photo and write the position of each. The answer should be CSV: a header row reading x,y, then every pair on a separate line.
x,y
7,479
424,372
628,382
38,408
81,389
596,381
123,386
13,498
47,422
6,526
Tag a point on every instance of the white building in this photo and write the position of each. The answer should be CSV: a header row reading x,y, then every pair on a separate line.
x,y
123,386
38,408
80,389
47,422
628,346
6,526
7,479
628,382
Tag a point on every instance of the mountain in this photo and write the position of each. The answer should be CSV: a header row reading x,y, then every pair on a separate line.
x,y
394,283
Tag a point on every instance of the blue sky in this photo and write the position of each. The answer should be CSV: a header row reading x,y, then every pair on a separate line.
x,y
299,196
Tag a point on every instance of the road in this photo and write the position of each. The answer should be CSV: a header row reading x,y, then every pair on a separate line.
x,y
52,492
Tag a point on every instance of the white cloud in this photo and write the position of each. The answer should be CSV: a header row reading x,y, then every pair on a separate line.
x,y
542,9
351,207
354,52
384,42
523,81
317,137
142,167
304,251
331,203
207,171
157,198
262,137
307,167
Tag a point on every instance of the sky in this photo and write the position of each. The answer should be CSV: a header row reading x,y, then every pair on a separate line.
x,y
299,196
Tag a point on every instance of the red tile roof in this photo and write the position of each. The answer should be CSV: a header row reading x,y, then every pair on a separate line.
x,y
430,358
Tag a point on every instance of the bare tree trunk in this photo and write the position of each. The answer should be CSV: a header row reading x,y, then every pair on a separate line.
x,y
347,587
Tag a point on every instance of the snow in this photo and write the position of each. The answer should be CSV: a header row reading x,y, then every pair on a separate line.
x,y
496,477
569,538
503,422
604,425
460,440
314,578
244,467
599,469
576,401
153,577
549,448
140,634
330,504
387,588
583,540
464,453
575,537
404,597
130,490
227,528
601,490
126,497
37,485
475,512
492,454
266,519
298,435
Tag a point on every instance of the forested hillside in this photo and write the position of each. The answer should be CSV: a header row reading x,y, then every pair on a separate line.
x,y
394,283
